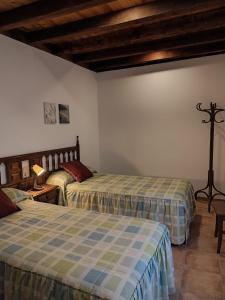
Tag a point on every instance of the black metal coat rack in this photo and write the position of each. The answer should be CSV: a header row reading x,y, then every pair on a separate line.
x,y
210,191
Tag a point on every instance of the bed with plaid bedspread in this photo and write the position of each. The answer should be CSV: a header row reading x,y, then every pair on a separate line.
x,y
166,200
54,252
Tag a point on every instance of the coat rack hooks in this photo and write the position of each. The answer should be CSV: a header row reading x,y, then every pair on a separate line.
x,y
210,191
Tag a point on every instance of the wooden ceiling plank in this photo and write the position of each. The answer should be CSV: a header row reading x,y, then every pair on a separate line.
x,y
198,38
146,33
159,57
41,10
125,19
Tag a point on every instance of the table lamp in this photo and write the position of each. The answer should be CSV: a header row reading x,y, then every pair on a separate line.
x,y
38,171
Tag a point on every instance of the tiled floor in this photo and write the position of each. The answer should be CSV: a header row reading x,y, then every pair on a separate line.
x,y
200,272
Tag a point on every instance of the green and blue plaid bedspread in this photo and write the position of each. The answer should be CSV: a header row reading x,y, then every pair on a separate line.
x,y
166,200
53,252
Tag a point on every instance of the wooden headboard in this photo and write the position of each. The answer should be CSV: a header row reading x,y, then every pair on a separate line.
x,y
16,171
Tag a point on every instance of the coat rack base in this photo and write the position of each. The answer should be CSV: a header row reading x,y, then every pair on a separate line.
x,y
210,191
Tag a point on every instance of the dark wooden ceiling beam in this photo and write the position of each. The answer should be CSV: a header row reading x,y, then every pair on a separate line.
x,y
158,57
125,19
186,40
17,35
146,33
42,10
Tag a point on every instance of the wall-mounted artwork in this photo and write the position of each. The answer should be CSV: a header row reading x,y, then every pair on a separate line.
x,y
25,169
64,114
49,113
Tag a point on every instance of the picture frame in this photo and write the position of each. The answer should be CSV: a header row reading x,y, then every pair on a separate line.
x,y
49,113
64,114
25,164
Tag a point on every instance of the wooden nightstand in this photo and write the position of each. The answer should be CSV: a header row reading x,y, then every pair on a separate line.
x,y
49,194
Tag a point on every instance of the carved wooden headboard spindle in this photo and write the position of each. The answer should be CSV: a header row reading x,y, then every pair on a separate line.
x,y
16,171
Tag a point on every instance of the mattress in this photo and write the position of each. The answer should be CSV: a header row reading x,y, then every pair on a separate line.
x,y
54,252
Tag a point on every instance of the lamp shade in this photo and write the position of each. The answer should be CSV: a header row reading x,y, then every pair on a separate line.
x,y
38,170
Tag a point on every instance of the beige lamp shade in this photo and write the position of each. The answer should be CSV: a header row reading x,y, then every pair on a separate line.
x,y
38,170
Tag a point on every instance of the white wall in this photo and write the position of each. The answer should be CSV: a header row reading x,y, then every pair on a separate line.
x,y
149,124
29,77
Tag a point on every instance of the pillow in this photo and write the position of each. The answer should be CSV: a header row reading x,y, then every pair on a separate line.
x,y
7,207
16,195
60,178
76,169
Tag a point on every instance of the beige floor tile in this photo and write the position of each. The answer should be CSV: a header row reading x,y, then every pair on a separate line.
x,y
200,272
178,277
222,261
196,260
179,255
177,296
223,280
204,244
203,220
191,296
204,285
207,230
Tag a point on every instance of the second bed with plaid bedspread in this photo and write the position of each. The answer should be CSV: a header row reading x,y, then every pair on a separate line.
x,y
166,200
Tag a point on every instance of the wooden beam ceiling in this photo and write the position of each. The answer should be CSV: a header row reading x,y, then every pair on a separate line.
x,y
159,57
119,33
183,40
42,10
143,33
126,19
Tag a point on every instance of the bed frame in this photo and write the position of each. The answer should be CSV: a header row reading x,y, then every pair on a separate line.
x,y
11,172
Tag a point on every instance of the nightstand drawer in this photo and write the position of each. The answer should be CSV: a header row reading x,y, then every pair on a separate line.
x,y
49,194
41,198
52,196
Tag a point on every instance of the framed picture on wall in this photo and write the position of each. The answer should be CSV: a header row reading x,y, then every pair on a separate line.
x,y
49,113
64,114
25,169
